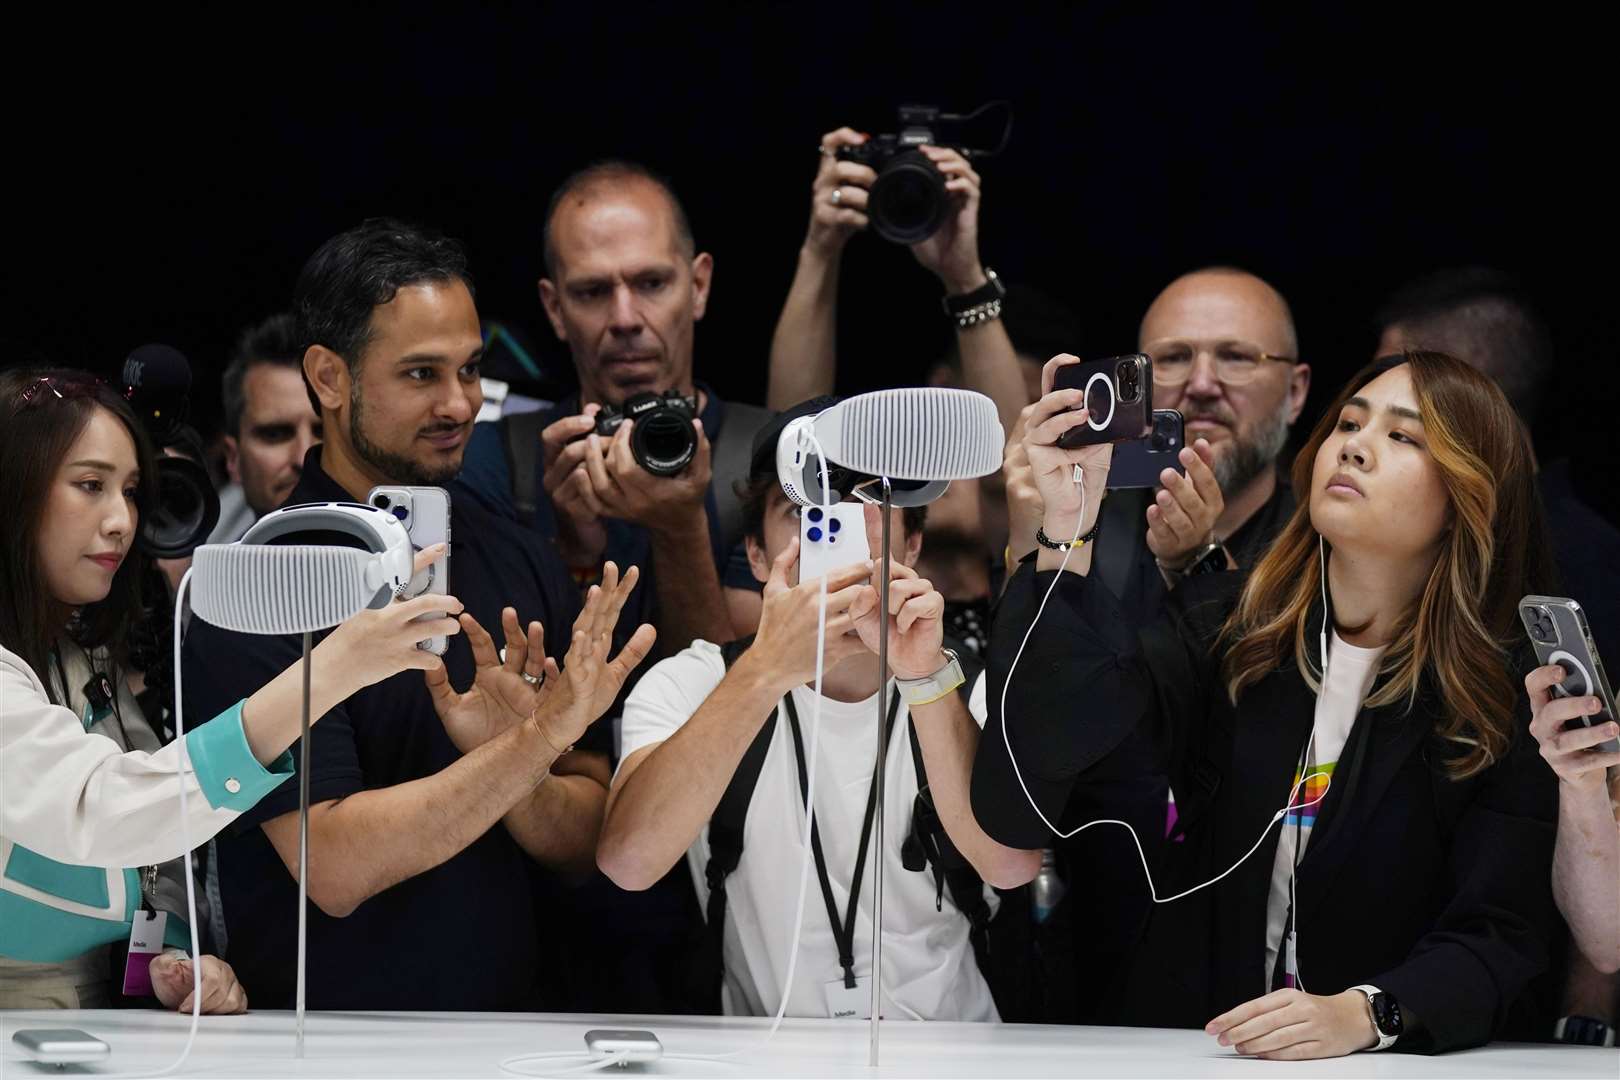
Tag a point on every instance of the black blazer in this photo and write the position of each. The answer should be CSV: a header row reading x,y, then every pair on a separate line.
x,y
1437,891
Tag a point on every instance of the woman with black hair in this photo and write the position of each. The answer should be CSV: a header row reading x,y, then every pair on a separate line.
x,y
88,795
1364,828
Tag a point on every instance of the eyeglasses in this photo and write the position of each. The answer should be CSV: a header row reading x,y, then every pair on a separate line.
x,y
1236,362
58,387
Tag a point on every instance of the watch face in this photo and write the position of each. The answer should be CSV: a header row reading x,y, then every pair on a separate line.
x,y
1386,1014
1212,561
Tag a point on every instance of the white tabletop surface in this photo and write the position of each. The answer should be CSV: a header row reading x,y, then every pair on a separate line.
x,y
260,1044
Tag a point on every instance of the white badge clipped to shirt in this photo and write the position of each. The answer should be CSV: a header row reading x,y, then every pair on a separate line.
x,y
145,942
1291,962
848,1002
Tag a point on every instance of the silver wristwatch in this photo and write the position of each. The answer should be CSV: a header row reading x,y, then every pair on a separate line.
x,y
931,688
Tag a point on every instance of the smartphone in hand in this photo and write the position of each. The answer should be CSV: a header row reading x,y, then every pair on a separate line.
x,y
831,538
1138,463
1559,634
1119,398
425,513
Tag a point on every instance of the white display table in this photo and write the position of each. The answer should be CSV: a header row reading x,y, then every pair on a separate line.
x,y
260,1044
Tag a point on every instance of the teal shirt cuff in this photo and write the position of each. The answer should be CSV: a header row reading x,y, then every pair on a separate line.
x,y
229,775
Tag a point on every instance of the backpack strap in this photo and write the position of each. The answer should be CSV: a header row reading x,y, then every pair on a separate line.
x,y
951,869
731,813
520,435
732,449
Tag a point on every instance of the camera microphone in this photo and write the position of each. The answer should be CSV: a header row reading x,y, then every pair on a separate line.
x,y
157,384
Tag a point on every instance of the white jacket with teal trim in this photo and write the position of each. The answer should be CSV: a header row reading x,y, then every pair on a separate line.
x,y
78,813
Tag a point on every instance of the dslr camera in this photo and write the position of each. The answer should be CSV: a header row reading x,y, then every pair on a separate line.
x,y
663,439
907,203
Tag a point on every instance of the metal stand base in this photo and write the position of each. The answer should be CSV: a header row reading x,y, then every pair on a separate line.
x,y
303,855
878,778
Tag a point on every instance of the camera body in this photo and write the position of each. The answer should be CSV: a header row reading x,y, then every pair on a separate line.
x,y
663,440
907,203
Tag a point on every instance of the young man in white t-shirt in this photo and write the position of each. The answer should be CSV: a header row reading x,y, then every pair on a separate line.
x,y
689,722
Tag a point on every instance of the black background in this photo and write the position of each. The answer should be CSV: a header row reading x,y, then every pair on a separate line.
x,y
169,177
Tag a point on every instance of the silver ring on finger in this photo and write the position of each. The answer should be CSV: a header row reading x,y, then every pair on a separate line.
x,y
536,681
824,150
837,196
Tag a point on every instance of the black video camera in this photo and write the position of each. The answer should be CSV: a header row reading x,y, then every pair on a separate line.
x,y
907,203
663,440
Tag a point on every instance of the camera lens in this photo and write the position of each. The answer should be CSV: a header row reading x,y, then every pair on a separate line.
x,y
186,512
907,203
663,442
380,502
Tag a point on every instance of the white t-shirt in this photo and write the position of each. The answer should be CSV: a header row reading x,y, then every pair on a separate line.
x,y
929,971
1350,675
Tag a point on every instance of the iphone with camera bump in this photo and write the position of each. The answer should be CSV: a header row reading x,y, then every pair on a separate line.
x,y
1119,399
425,513
1138,463
831,538
1559,634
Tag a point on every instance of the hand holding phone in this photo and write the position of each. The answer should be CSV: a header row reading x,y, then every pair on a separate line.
x,y
1559,634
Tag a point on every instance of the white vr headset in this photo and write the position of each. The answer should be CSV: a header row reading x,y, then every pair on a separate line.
x,y
359,557
928,436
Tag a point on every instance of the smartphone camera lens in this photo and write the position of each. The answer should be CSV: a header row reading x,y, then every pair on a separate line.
x,y
814,534
1129,381
815,515
380,502
1542,627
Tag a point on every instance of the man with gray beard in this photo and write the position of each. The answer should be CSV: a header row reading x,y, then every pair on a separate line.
x,y
1225,355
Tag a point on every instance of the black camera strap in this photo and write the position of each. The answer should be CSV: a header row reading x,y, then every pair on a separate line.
x,y
843,929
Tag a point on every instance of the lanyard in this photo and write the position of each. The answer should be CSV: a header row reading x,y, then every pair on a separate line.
x,y
843,929
149,878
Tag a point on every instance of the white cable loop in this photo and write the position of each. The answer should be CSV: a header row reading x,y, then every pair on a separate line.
x,y
1006,740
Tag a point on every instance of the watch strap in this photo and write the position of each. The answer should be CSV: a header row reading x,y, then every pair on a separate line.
x,y
931,688
992,291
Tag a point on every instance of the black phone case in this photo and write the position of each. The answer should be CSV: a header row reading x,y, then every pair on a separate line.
x,y
1126,419
1137,463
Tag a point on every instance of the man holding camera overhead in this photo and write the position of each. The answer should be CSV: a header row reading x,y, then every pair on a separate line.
x,y
640,463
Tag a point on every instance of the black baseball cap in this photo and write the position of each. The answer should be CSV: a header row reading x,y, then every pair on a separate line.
x,y
763,458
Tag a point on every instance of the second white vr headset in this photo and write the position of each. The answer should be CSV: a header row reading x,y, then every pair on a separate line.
x,y
356,557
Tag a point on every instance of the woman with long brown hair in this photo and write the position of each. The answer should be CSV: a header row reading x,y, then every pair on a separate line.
x,y
87,792
1364,828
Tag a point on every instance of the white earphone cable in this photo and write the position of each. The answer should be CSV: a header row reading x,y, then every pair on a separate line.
x,y
1006,739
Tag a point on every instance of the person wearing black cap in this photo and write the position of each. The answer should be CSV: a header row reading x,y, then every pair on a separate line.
x,y
713,726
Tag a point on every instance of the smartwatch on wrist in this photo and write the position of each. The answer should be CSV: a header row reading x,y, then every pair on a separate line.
x,y
1386,1016
930,688
1212,558
1583,1031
